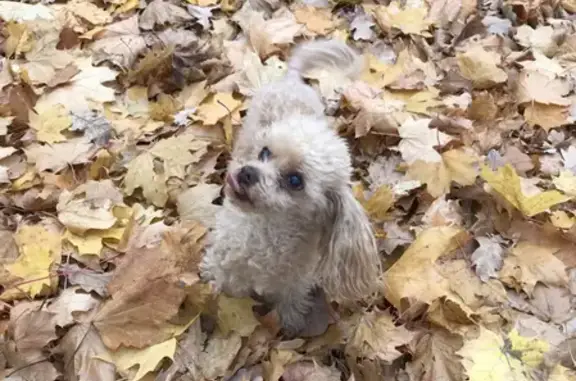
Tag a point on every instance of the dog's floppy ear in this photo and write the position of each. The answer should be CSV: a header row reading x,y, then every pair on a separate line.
x,y
350,267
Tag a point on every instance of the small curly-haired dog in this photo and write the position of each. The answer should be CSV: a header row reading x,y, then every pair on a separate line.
x,y
290,225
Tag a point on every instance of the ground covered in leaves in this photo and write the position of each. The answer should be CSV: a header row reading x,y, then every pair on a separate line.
x,y
116,121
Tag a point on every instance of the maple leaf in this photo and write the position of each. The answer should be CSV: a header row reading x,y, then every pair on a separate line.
x,y
368,337
84,87
414,275
236,315
39,249
90,206
508,184
87,279
147,359
317,20
485,357
487,258
58,156
410,20
534,86
120,43
161,12
418,141
83,351
216,107
435,357
195,204
20,12
49,123
481,67
530,263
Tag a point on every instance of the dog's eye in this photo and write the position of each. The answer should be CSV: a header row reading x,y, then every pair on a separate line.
x,y
264,154
295,181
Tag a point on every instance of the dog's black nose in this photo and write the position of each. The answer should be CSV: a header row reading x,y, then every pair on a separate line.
x,y
248,176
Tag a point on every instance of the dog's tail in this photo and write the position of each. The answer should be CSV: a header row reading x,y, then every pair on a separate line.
x,y
324,54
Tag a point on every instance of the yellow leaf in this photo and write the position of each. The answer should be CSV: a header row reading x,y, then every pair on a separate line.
x,y
531,349
216,107
235,314
380,202
317,20
18,40
91,241
481,68
165,108
422,100
507,183
457,165
141,174
562,220
39,248
566,182
415,276
49,122
485,359
410,20
147,359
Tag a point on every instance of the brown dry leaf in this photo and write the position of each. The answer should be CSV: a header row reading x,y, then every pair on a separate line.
x,y
481,67
89,12
161,12
236,315
317,20
83,351
528,264
377,337
266,36
195,204
435,357
308,371
56,157
546,116
119,43
146,292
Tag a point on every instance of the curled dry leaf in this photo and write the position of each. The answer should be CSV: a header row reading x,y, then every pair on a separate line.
x,y
90,206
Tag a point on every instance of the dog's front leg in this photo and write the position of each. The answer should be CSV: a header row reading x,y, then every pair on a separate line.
x,y
303,311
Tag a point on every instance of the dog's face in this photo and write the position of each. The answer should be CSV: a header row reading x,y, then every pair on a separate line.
x,y
289,167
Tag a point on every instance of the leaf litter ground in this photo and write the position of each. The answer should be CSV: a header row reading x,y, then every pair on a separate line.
x,y
116,121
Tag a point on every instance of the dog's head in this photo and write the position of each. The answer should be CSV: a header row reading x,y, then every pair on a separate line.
x,y
291,167
298,169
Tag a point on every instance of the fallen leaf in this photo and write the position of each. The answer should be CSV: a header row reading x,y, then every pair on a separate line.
x,y
308,371
58,156
317,20
435,357
89,12
147,359
487,258
566,182
19,39
528,264
84,87
87,279
83,351
414,276
376,336
481,67
379,203
534,86
236,315
20,12
507,183
547,116
49,123
91,242
90,206
39,249
67,304
161,12
410,20
216,107
485,357
195,204
418,141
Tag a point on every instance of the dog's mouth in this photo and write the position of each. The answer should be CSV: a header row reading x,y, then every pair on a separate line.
x,y
235,189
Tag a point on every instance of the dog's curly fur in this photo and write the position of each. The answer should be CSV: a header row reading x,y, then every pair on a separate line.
x,y
282,243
